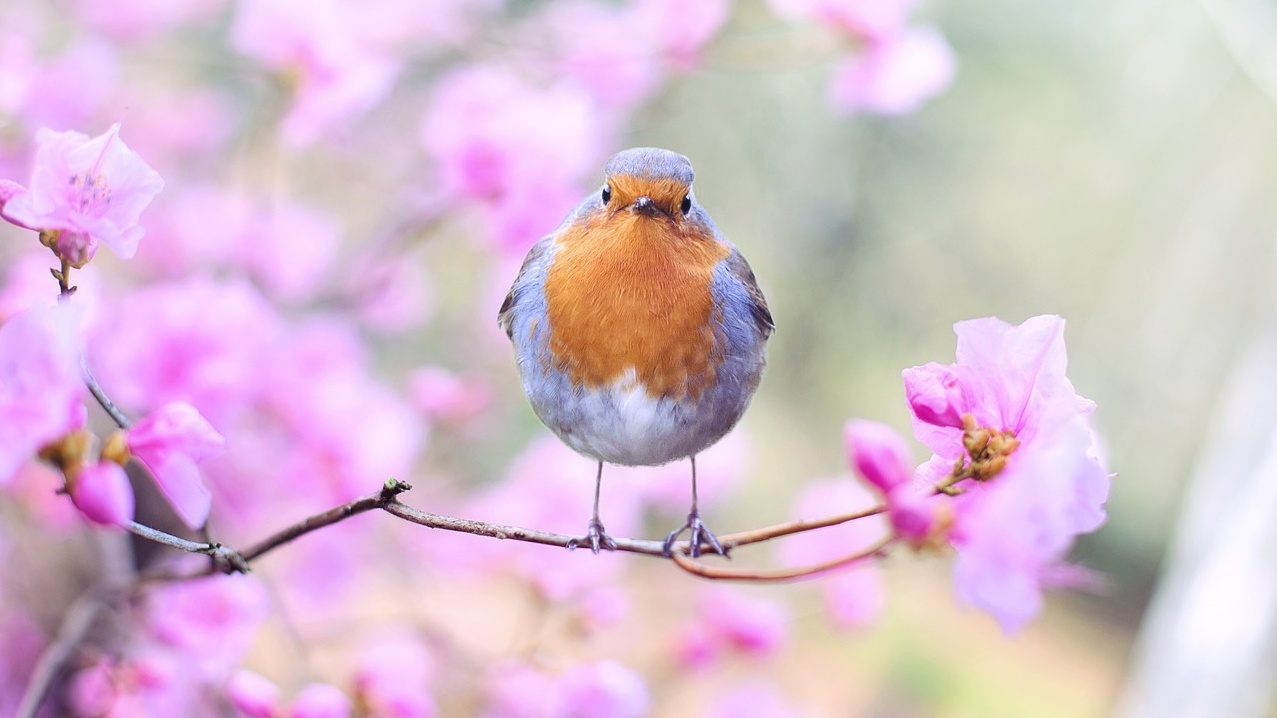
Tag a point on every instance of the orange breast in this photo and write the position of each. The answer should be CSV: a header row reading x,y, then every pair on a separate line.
x,y
629,291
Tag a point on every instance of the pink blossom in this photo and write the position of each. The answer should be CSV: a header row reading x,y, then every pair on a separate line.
x,y
200,341
604,689
604,51
210,622
338,74
393,678
18,69
71,89
40,384
1013,529
551,487
681,29
518,151
135,20
728,619
290,248
320,700
853,595
865,19
252,694
518,690
894,75
754,700
102,493
170,441
89,189
344,425
442,395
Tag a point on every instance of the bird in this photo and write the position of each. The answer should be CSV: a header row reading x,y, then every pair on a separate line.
x,y
639,329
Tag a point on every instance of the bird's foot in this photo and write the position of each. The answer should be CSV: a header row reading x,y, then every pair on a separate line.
x,y
700,534
596,538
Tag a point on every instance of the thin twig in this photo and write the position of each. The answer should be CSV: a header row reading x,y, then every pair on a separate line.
x,y
725,573
103,400
225,558
767,533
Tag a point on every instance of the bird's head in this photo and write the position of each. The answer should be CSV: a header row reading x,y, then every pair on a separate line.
x,y
648,181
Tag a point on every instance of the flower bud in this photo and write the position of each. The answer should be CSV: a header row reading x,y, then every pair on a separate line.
x,y
102,493
934,394
877,453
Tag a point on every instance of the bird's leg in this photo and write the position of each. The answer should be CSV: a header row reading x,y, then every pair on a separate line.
x,y
700,533
595,535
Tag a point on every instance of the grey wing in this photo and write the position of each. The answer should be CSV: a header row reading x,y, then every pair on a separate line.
x,y
739,269
533,267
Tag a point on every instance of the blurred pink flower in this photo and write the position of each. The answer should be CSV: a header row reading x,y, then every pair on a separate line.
x,y
550,487
444,396
1012,530
856,594
337,74
18,68
74,88
345,427
201,341
517,151
252,694
40,384
208,623
136,20
894,74
604,689
393,678
102,493
518,690
320,700
604,50
89,189
728,619
754,700
290,248
865,19
681,29
170,441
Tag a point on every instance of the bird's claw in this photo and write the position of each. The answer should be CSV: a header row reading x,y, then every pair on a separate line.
x,y
700,534
596,537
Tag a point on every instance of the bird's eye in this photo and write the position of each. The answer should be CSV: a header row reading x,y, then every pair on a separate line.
x,y
687,204
607,194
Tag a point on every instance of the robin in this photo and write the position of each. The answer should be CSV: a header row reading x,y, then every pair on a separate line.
x,y
639,328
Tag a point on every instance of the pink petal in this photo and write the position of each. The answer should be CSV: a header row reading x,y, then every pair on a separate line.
x,y
180,482
103,494
321,700
253,694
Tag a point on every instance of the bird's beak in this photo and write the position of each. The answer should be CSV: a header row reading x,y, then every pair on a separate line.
x,y
644,205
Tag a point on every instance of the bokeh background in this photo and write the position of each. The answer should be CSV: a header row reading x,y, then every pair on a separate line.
x,y
1110,162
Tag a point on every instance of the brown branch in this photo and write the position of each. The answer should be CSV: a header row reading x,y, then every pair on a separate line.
x,y
767,533
723,573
